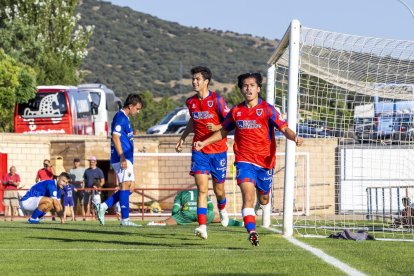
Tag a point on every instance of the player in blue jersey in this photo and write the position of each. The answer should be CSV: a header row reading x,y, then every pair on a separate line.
x,y
45,196
122,159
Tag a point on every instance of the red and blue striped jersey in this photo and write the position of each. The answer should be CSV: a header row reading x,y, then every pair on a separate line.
x,y
254,138
211,109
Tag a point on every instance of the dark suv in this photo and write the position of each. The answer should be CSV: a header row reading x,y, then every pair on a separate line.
x,y
404,128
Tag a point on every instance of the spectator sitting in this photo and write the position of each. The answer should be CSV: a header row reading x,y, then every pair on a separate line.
x,y
93,178
11,181
76,176
406,215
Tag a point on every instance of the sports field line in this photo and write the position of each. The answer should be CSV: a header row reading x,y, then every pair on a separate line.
x,y
322,255
137,249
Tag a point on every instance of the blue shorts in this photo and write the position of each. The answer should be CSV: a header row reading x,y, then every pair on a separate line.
x,y
68,201
261,178
212,163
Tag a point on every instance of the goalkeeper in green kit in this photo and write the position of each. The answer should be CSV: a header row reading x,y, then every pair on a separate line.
x,y
185,211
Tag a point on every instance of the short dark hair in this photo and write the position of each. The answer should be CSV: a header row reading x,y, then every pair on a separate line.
x,y
133,99
256,76
204,71
65,174
76,160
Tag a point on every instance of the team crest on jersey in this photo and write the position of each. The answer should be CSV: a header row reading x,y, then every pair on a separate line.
x,y
210,103
259,111
193,106
238,114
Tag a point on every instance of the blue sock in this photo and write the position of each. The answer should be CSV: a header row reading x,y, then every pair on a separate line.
x,y
37,214
113,199
124,202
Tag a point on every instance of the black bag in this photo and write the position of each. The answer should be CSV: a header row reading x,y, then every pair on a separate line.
x,y
347,234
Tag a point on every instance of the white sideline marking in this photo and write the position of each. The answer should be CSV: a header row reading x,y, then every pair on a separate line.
x,y
322,255
135,249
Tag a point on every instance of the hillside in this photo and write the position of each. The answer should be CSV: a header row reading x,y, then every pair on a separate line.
x,y
133,52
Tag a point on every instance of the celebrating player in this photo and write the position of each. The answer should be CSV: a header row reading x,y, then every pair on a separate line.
x,y
45,196
185,211
254,146
207,111
122,159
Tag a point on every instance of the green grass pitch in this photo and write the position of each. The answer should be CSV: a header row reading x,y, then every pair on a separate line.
x,y
86,248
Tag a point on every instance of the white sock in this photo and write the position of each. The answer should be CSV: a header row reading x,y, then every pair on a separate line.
x,y
267,210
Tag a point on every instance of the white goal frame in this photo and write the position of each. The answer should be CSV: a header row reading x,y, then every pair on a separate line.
x,y
291,38
349,71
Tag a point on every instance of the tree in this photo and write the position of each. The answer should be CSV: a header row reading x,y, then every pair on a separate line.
x,y
45,35
234,97
17,85
152,112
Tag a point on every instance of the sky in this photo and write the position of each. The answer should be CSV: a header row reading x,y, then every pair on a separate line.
x,y
270,18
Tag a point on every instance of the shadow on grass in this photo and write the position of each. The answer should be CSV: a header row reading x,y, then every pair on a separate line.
x,y
117,242
90,231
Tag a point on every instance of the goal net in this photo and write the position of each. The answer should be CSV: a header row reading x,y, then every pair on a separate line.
x,y
352,99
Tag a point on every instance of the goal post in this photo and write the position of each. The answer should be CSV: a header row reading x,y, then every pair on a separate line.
x,y
352,99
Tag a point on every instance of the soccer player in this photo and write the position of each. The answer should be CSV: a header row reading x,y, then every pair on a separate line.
x,y
207,111
185,211
254,146
122,159
45,196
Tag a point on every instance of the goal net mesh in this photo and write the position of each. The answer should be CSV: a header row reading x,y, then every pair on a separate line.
x,y
356,113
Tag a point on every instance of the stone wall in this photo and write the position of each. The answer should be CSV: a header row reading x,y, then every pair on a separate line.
x,y
27,152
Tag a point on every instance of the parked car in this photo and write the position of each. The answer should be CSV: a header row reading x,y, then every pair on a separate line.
x,y
364,129
176,127
321,128
180,114
404,128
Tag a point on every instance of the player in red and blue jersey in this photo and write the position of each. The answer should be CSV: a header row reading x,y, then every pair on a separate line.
x,y
43,197
254,122
122,159
207,111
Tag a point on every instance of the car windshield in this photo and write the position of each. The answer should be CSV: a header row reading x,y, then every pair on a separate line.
x,y
44,105
168,118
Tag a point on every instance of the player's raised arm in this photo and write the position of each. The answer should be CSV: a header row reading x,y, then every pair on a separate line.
x,y
188,129
217,136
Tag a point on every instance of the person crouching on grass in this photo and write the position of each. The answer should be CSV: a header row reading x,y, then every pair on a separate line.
x,y
45,196
254,121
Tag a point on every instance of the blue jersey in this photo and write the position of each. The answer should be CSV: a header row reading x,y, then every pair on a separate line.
x,y
121,126
47,188
68,190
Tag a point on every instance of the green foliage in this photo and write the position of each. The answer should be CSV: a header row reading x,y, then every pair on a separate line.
x,y
44,34
17,84
234,97
152,112
133,51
